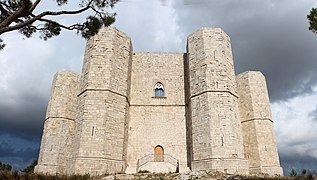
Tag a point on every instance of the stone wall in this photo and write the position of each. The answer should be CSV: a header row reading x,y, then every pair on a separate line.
x,y
103,104
256,118
157,120
58,130
216,128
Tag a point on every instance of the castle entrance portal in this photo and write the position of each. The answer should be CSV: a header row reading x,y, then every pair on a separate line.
x,y
158,162
158,154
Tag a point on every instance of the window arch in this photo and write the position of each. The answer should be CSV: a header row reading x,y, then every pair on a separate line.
x,y
159,90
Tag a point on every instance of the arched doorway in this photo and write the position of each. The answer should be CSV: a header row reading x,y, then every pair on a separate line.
x,y
158,154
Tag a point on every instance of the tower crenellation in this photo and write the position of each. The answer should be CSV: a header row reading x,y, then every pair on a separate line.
x,y
162,112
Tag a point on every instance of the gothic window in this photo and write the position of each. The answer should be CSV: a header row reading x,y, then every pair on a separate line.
x,y
159,90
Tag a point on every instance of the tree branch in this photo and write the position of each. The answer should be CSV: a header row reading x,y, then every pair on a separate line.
x,y
71,27
12,17
4,26
56,13
4,4
34,5
3,11
97,12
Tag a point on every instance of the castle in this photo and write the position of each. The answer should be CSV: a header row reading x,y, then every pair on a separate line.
x,y
160,112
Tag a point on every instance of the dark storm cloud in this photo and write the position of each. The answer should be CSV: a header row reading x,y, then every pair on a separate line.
x,y
26,154
25,86
298,155
19,157
26,122
26,79
22,110
297,162
6,149
270,36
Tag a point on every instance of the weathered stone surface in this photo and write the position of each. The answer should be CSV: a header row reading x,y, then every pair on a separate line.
x,y
217,143
160,112
58,130
257,124
157,121
102,105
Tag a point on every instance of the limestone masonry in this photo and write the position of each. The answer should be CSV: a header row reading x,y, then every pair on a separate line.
x,y
161,112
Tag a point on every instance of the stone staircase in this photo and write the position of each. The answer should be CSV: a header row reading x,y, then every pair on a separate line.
x,y
158,164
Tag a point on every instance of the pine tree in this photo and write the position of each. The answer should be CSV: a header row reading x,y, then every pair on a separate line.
x,y
312,18
19,15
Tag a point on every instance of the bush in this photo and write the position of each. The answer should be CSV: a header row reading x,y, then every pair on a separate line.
x,y
30,168
144,171
5,167
293,173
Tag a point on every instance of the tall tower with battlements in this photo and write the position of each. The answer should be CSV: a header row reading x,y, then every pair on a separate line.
x,y
161,112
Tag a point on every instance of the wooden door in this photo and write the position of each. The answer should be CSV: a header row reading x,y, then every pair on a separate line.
x,y
158,154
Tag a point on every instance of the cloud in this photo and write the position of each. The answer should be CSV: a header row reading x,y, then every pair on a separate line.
x,y
298,162
296,132
313,114
151,26
270,36
26,154
16,151
29,66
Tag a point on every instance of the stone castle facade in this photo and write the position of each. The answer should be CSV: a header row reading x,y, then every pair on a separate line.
x,y
160,112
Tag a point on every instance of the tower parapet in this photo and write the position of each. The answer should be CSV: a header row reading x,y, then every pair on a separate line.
x,y
217,143
58,130
257,124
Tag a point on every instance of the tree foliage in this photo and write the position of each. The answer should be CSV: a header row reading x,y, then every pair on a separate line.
x,y
19,15
5,167
293,173
312,18
30,168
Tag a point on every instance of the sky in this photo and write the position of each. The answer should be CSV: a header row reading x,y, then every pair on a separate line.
x,y
271,36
